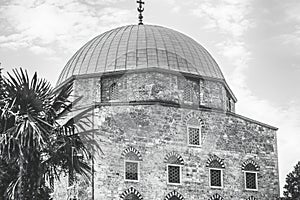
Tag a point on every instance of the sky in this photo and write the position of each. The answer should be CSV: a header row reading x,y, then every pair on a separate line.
x,y
256,44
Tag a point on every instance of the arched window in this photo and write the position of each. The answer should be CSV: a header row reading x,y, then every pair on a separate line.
x,y
131,194
216,167
194,135
216,197
250,169
174,195
132,158
174,167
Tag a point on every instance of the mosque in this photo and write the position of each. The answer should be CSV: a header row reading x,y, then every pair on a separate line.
x,y
165,120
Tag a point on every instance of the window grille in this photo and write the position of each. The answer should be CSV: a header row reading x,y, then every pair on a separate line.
x,y
113,91
194,136
216,178
131,171
188,93
251,180
174,174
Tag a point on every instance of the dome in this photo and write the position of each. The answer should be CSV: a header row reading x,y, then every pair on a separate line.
x,y
141,46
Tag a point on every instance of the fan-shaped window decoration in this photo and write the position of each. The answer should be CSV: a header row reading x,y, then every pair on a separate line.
x,y
250,169
174,158
131,153
216,166
215,162
194,136
131,194
252,198
113,91
131,164
174,196
216,197
174,168
250,165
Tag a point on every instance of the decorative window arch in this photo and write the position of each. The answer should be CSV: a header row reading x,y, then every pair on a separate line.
x,y
194,125
250,169
131,194
132,158
174,158
216,197
251,198
174,167
174,195
132,154
250,165
193,115
216,167
215,162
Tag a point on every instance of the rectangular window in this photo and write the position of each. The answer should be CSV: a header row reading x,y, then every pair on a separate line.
x,y
174,174
216,178
114,91
131,171
194,136
188,93
250,180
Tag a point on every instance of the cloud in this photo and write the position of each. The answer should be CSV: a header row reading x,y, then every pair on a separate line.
x,y
64,25
229,16
176,7
41,50
292,38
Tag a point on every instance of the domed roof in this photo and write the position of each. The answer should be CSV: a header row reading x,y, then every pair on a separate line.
x,y
141,46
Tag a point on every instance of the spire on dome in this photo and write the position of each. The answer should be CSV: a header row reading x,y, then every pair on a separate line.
x,y
140,9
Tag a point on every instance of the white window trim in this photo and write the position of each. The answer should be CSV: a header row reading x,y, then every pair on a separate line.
x,y
200,136
138,172
217,187
180,174
256,181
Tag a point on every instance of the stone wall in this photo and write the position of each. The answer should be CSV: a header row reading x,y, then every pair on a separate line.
x,y
156,130
173,88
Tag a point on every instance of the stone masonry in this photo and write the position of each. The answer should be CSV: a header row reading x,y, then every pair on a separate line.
x,y
149,114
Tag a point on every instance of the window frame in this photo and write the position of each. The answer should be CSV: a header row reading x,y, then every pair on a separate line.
x,y
180,174
256,180
188,136
138,170
209,178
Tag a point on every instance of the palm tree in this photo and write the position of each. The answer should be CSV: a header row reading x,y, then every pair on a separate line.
x,y
32,137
